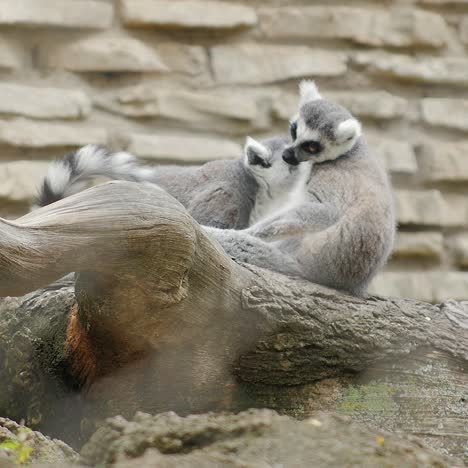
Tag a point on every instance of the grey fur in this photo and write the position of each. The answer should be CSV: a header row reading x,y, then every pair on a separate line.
x,y
324,116
343,232
221,193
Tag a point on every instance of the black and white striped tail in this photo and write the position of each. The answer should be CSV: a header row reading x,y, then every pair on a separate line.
x,y
70,174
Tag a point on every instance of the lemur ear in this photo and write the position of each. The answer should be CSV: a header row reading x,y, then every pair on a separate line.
x,y
308,91
255,154
348,131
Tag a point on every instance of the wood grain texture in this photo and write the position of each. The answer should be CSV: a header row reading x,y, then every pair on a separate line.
x,y
175,324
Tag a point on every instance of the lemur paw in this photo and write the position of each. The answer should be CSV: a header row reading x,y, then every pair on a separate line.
x,y
262,233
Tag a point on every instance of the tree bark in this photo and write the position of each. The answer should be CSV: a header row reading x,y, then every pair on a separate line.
x,y
160,318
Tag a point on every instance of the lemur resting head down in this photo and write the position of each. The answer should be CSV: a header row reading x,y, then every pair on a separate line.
x,y
322,130
225,193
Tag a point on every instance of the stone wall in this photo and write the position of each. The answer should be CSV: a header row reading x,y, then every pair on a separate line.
x,y
187,80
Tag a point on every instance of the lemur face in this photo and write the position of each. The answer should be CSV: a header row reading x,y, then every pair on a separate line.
x,y
322,130
264,160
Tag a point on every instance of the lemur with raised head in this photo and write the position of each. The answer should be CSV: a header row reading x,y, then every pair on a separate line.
x,y
341,232
224,194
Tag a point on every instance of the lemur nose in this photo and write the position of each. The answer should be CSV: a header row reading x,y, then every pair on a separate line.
x,y
290,157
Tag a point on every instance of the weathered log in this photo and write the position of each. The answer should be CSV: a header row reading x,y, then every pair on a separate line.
x,y
163,319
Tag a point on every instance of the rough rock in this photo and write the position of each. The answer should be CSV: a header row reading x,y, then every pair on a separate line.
x,y
143,101
443,161
398,156
43,103
374,27
183,148
23,133
420,207
464,29
103,54
32,333
450,285
430,286
450,113
22,446
19,179
183,58
458,247
368,104
442,70
429,208
372,104
429,244
186,14
443,2
410,285
57,13
11,54
255,438
234,111
256,63
456,213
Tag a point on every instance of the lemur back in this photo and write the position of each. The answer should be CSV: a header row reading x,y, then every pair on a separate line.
x,y
221,193
349,253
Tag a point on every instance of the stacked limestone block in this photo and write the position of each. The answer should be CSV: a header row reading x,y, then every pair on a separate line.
x,y
186,80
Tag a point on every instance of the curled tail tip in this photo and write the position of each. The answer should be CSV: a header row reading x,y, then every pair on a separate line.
x,y
63,173
53,186
58,179
69,174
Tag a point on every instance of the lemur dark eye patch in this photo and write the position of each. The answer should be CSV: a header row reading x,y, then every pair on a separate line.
x,y
293,130
256,160
311,147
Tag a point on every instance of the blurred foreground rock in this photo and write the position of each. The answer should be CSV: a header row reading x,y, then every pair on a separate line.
x,y
252,439
20,445
256,438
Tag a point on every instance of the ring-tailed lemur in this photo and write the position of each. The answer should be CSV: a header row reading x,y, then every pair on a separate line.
x,y
225,194
342,233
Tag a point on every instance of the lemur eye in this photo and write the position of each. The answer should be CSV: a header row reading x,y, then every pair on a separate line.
x,y
312,147
293,130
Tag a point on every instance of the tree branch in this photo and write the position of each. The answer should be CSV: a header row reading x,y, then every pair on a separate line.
x,y
163,316
316,333
145,262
